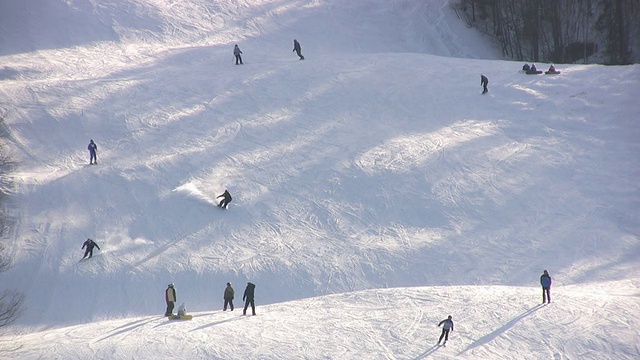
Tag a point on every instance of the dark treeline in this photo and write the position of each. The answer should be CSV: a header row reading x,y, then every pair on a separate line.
x,y
559,31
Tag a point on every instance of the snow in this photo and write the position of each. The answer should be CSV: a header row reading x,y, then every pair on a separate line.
x,y
376,191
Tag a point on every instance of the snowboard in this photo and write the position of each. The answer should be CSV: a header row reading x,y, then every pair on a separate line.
x,y
552,72
534,72
180,317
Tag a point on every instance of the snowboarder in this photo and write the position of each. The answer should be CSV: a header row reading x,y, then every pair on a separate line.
x,y
227,199
484,82
545,281
89,244
249,299
297,48
228,297
237,52
170,297
93,148
448,326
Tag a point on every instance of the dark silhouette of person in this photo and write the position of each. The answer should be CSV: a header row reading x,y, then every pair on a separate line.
x,y
228,297
93,148
170,297
526,67
484,82
248,298
237,53
89,244
297,48
448,326
226,199
545,281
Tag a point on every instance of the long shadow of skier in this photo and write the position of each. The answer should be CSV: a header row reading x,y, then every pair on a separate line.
x,y
487,338
428,352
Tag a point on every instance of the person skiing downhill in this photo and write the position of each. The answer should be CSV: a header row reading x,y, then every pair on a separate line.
x,y
226,199
448,326
93,148
228,296
248,297
484,82
170,297
297,48
237,52
89,244
545,281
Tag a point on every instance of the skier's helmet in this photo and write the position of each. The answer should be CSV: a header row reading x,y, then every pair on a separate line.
x,y
171,285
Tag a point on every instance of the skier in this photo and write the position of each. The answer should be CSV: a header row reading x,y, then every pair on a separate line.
x,y
484,82
89,244
228,297
249,299
227,199
93,148
448,326
170,297
545,281
297,48
237,52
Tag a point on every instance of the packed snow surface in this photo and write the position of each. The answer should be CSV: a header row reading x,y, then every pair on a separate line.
x,y
375,189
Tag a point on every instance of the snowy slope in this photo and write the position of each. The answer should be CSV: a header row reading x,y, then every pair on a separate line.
x,y
373,164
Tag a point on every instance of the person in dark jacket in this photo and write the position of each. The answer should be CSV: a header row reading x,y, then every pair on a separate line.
x,y
89,244
248,298
545,281
448,326
484,82
93,148
228,297
297,48
237,53
170,297
526,67
226,199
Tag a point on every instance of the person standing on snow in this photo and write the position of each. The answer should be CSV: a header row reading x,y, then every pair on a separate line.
x,y
545,281
484,82
170,297
297,48
229,294
248,298
448,326
227,199
93,148
237,52
89,244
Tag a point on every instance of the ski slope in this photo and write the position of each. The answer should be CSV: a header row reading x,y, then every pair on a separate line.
x,y
376,191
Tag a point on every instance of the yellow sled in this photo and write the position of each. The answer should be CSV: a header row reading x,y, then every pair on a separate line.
x,y
180,317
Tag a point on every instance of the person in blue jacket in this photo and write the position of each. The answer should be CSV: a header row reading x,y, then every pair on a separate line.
x,y
545,281
93,148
